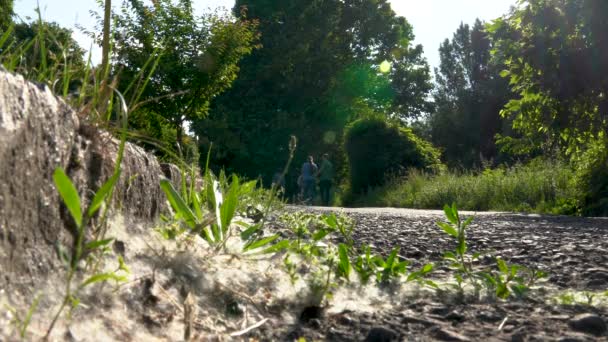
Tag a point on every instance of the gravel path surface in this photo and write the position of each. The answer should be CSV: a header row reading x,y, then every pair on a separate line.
x,y
573,250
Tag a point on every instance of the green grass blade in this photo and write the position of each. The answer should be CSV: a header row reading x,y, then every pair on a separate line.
x,y
261,242
102,277
448,229
28,317
344,261
228,208
69,195
6,35
449,214
279,246
249,232
97,244
102,193
178,203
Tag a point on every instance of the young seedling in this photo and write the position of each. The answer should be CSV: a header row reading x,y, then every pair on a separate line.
x,y
71,199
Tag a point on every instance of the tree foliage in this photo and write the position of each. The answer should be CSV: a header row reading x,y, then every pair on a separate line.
x,y
556,59
198,58
468,97
6,14
45,47
317,70
377,149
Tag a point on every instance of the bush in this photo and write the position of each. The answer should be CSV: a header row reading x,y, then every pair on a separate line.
x,y
376,149
592,179
541,186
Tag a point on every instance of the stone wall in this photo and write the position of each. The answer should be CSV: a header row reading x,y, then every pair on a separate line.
x,y
38,133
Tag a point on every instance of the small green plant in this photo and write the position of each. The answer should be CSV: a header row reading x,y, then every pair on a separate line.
x,y
505,281
456,228
291,268
23,323
364,265
71,199
391,267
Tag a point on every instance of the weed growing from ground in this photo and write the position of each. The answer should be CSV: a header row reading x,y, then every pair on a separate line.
x,y
504,281
80,249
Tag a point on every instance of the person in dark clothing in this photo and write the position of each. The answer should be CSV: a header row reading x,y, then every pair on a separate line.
x,y
309,171
326,175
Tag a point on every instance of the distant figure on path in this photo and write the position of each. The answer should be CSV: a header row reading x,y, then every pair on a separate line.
x,y
326,175
278,181
309,170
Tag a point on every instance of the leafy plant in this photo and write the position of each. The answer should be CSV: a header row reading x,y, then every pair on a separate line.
x,y
71,199
23,323
391,267
505,281
364,265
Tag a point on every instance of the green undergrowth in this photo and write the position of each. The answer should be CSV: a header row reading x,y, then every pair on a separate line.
x,y
540,186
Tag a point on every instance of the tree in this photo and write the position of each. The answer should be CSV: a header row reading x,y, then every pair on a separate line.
x,y
468,97
556,59
197,57
6,14
316,71
52,48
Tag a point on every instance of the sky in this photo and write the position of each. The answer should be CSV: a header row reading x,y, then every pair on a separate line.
x,y
433,20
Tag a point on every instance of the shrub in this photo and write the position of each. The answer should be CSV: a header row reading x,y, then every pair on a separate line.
x,y
376,149
544,186
592,179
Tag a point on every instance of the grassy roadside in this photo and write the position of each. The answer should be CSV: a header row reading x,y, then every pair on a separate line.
x,y
541,186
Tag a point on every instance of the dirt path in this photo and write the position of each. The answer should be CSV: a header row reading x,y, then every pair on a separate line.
x,y
572,250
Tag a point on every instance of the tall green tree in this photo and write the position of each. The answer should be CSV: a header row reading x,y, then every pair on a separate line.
x,y
318,69
6,14
468,97
556,59
198,58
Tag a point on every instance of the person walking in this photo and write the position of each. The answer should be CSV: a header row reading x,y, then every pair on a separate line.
x,y
309,171
326,175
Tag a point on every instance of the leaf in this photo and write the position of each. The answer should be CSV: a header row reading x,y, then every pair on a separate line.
x,y
230,203
102,193
69,195
261,242
249,232
122,265
344,261
100,277
331,220
449,256
97,243
427,268
502,266
467,222
502,291
462,247
448,229
505,73
431,284
320,234
449,214
279,246
178,204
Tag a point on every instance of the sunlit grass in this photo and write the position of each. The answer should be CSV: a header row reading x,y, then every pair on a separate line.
x,y
540,186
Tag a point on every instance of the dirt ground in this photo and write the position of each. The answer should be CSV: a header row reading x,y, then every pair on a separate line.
x,y
573,251
239,298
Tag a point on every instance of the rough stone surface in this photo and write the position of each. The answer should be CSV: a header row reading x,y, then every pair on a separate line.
x,y
589,323
38,133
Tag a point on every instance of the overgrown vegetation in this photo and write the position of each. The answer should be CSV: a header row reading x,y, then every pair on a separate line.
x,y
539,186
377,149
